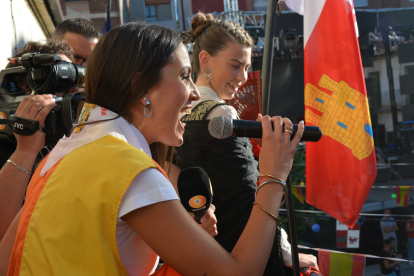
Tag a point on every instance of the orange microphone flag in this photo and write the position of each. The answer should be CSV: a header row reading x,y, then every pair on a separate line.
x,y
341,167
402,195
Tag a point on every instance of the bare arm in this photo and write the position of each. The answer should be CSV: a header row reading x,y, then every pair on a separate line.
x,y
13,182
387,264
179,241
6,245
386,229
395,228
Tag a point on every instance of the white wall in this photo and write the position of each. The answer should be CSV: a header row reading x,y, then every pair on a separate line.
x,y
24,29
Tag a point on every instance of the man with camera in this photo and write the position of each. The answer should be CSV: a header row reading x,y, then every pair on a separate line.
x,y
81,34
21,156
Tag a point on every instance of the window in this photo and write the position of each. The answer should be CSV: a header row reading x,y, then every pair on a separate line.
x,y
160,12
360,3
151,13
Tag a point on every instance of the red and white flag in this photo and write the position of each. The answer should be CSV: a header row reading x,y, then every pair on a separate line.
x,y
341,167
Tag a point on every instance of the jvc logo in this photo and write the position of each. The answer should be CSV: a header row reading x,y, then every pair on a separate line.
x,y
64,67
17,125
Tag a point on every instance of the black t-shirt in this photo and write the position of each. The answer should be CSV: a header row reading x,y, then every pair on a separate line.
x,y
385,270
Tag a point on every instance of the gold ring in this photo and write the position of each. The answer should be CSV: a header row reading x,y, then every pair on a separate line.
x,y
288,129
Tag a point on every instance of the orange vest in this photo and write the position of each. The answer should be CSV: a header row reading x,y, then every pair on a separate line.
x,y
68,223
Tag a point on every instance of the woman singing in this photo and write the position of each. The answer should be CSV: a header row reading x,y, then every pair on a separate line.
x,y
100,203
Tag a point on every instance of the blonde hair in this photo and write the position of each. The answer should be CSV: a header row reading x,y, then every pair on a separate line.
x,y
213,35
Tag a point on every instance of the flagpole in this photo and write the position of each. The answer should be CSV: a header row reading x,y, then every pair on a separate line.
x,y
108,16
266,88
268,54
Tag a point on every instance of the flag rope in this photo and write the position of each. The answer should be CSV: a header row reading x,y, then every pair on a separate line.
x,y
374,187
365,255
360,214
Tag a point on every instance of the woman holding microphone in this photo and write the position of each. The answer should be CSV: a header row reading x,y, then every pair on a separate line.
x,y
100,204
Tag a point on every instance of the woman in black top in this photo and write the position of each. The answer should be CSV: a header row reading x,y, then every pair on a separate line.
x,y
221,59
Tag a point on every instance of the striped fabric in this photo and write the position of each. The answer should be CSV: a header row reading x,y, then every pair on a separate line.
x,y
402,195
339,264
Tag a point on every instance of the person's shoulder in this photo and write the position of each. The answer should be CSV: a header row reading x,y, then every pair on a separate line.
x,y
223,110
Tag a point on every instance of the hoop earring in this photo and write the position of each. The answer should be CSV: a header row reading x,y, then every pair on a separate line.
x,y
208,75
151,110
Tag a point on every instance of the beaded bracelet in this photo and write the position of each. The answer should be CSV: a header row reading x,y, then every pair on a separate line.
x,y
267,212
277,181
20,168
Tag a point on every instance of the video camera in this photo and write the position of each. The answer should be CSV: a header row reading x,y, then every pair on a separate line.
x,y
41,74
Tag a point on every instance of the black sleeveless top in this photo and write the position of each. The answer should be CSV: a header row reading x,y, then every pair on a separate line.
x,y
232,169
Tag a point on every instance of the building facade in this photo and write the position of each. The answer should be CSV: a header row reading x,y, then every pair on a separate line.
x,y
160,12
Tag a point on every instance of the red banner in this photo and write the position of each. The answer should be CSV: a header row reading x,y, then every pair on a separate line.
x,y
341,167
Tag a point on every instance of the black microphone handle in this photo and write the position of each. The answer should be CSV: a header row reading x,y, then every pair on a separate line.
x,y
253,129
198,215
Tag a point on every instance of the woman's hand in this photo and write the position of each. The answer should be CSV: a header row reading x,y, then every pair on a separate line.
x,y
209,221
258,140
308,260
276,156
34,108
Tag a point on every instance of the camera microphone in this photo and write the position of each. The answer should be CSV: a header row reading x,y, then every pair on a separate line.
x,y
36,59
222,127
195,191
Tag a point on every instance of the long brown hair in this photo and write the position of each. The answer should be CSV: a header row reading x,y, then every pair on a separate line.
x,y
125,64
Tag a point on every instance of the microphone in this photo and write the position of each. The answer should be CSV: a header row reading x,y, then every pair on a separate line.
x,y
222,127
194,188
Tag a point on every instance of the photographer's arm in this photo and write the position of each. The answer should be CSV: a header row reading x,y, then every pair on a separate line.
x,y
13,181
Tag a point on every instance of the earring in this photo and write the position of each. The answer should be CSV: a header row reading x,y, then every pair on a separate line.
x,y
208,75
148,106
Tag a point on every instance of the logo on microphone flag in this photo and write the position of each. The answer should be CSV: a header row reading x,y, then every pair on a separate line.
x,y
2,116
341,167
197,202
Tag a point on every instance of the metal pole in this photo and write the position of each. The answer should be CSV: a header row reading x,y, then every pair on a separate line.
x,y
390,75
182,15
108,16
292,227
266,84
268,54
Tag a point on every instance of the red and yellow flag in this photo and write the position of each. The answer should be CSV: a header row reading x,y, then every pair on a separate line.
x,y
402,195
341,264
297,192
341,167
